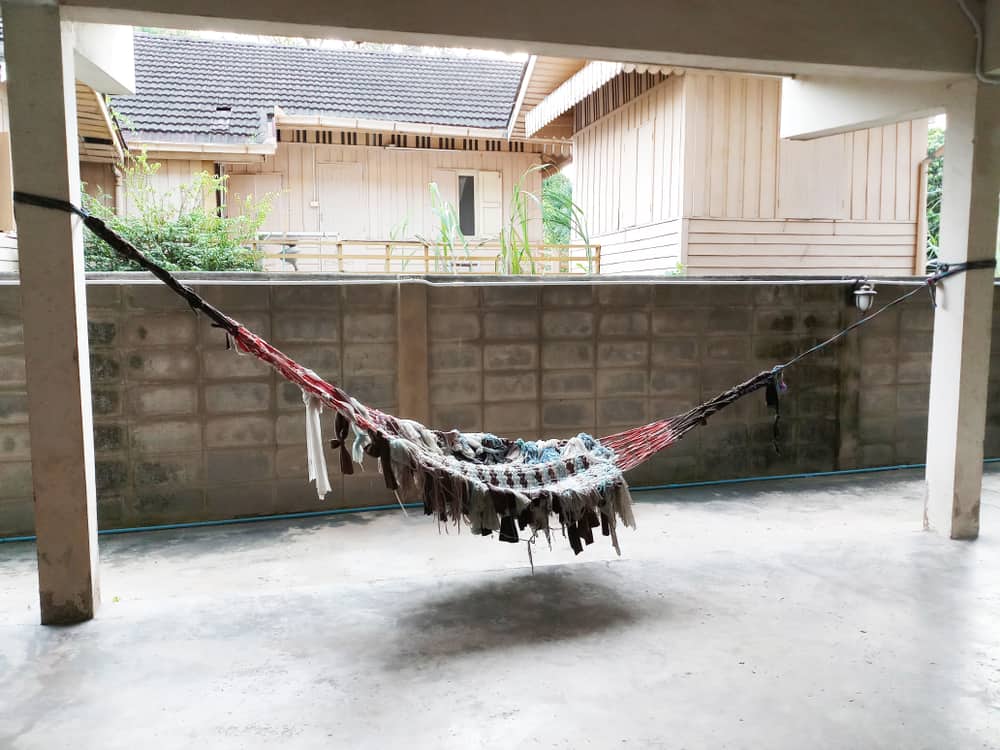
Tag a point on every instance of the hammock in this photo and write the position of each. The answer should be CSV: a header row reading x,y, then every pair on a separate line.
x,y
491,483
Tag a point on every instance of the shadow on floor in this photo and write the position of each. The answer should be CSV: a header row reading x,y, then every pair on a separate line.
x,y
555,604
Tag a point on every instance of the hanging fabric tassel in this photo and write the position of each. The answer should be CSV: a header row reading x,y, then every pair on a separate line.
x,y
314,445
772,395
340,428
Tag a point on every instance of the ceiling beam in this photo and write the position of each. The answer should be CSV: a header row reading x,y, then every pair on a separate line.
x,y
912,38
813,107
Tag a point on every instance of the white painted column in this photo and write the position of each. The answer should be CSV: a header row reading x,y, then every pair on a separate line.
x,y
962,322
44,145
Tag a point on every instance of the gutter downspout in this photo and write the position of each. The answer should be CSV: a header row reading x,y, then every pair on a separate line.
x,y
120,207
220,201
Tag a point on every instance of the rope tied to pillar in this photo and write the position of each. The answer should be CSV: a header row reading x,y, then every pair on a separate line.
x,y
128,251
493,483
942,271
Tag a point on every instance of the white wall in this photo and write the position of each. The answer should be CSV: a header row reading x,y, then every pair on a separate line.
x,y
104,59
812,107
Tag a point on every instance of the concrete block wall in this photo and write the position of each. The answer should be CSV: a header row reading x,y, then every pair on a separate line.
x,y
186,430
552,361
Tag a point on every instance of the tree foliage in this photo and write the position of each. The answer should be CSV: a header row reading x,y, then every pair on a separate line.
x,y
179,229
557,209
935,140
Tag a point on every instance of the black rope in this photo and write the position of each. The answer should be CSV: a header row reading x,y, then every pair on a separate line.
x,y
770,379
943,271
128,251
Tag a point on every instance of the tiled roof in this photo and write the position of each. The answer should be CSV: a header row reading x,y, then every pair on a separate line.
x,y
184,86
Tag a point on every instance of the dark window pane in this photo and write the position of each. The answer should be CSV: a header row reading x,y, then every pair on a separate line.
x,y
467,204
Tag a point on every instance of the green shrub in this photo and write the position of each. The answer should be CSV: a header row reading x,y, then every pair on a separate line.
x,y
557,209
935,171
179,229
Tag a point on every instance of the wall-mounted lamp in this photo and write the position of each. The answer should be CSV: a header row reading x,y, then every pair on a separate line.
x,y
864,295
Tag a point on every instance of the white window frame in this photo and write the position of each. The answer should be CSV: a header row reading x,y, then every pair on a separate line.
x,y
477,218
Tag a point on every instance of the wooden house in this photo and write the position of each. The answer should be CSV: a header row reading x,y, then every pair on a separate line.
x,y
684,170
346,141
676,170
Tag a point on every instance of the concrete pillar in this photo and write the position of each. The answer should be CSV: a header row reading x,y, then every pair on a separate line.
x,y
41,95
961,359
412,385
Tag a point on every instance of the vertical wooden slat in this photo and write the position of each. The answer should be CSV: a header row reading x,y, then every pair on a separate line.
x,y
691,142
719,149
737,148
377,227
887,205
678,178
903,172
873,176
593,173
618,152
596,173
658,171
601,157
843,168
612,174
918,150
695,154
751,167
700,154
770,103
859,175
296,185
586,176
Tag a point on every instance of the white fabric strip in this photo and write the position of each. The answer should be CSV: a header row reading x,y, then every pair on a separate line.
x,y
314,445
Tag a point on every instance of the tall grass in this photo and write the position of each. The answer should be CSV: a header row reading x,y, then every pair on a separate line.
x,y
562,216
450,239
515,245
516,255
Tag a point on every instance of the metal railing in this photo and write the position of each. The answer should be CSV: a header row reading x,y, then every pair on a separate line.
x,y
317,253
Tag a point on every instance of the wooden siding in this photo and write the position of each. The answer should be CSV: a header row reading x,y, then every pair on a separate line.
x,y
731,160
705,148
391,185
171,175
616,93
736,166
98,135
629,164
654,248
816,247
98,178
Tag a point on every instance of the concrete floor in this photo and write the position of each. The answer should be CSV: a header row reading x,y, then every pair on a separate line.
x,y
771,615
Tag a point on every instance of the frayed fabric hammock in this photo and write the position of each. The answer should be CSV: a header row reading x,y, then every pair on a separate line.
x,y
493,484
